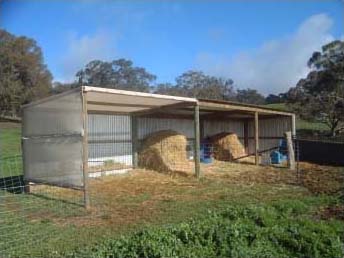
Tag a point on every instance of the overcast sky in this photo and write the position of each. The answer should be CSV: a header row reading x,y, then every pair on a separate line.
x,y
259,44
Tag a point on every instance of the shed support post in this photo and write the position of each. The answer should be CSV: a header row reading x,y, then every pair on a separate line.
x,y
133,121
85,150
197,142
256,138
246,136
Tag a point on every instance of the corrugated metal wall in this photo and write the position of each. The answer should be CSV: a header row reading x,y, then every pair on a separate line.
x,y
212,127
147,126
110,135
274,128
109,138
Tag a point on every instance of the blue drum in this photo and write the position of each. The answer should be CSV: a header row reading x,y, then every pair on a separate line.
x,y
206,153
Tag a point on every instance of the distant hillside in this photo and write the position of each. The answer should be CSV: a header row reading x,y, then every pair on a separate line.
x,y
302,126
279,106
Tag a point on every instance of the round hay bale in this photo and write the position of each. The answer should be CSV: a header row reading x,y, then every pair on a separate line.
x,y
227,146
164,151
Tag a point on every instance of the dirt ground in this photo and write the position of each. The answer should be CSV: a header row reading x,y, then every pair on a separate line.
x,y
143,196
316,178
140,192
322,179
332,212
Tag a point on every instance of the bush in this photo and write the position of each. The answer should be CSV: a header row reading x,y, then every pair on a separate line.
x,y
279,230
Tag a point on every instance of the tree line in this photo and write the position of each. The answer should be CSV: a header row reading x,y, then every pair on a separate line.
x,y
24,78
122,74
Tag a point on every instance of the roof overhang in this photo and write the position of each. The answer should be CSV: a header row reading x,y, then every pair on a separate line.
x,y
240,108
121,101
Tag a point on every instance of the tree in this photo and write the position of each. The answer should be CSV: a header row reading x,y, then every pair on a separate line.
x,y
169,89
23,75
119,74
59,87
320,96
272,98
197,84
250,96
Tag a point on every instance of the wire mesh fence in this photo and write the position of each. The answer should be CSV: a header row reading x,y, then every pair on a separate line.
x,y
31,203
26,208
34,211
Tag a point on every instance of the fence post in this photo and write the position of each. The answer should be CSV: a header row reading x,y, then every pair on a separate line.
x,y
85,149
197,142
291,154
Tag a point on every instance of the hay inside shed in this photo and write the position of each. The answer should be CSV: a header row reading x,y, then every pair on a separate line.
x,y
164,151
227,146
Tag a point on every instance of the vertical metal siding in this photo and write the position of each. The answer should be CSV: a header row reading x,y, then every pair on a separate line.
x,y
147,126
109,137
212,127
274,127
114,134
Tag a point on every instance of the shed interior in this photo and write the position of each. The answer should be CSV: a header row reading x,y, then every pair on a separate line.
x,y
114,114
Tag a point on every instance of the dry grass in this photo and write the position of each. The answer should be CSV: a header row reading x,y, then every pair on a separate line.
x,y
322,179
135,196
107,166
143,196
250,174
317,179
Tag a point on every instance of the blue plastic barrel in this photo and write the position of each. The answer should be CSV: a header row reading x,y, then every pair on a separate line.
x,y
276,157
283,147
205,153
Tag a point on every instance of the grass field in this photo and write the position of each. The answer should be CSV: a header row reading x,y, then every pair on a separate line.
x,y
235,211
10,134
301,125
10,149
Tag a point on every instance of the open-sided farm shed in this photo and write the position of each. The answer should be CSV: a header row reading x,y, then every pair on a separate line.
x,y
90,131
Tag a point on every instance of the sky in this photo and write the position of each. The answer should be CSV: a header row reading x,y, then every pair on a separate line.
x,y
263,45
